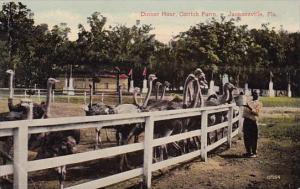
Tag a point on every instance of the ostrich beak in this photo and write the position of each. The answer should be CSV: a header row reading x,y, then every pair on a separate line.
x,y
203,84
56,81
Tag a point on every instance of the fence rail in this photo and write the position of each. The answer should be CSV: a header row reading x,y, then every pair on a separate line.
x,y
59,95
20,130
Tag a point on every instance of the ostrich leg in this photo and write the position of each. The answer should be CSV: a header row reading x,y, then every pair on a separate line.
x,y
98,138
106,133
62,172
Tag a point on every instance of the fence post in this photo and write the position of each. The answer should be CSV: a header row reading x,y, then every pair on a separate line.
x,y
25,94
102,96
204,135
148,150
84,97
20,157
230,117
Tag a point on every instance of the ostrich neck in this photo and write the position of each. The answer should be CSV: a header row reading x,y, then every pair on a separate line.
x,y
163,93
49,89
135,99
156,94
199,97
186,91
148,94
230,97
196,95
11,93
226,97
91,96
11,90
30,112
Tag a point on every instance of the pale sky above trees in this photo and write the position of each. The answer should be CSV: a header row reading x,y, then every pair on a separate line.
x,y
128,11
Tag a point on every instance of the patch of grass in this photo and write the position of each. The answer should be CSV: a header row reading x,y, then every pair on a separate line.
x,y
281,129
280,102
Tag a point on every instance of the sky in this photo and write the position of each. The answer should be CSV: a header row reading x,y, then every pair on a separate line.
x,y
181,13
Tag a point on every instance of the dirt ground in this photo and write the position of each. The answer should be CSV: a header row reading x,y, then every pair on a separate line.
x,y
277,164
273,168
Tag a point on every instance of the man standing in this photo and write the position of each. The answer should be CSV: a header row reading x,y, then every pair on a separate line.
x,y
251,113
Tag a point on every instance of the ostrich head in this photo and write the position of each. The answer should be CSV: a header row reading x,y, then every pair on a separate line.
x,y
137,90
10,71
167,83
201,78
152,77
228,88
158,84
68,146
52,81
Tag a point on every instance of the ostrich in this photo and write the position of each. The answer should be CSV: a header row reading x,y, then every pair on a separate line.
x,y
157,87
213,100
167,127
97,109
10,98
55,143
41,111
125,132
19,111
203,84
27,108
193,123
38,109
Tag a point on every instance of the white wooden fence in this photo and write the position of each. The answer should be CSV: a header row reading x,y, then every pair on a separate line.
x,y
41,94
20,130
